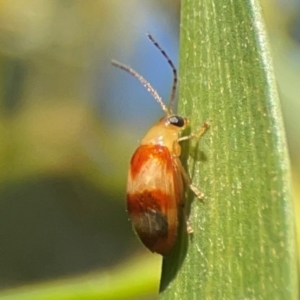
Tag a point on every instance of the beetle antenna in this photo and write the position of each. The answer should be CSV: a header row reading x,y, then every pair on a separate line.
x,y
145,83
173,93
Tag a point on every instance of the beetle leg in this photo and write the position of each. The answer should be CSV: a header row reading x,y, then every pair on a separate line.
x,y
197,134
188,182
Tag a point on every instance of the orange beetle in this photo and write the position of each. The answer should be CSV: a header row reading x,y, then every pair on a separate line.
x,y
156,177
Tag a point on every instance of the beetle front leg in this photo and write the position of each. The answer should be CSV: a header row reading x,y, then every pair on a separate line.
x,y
197,134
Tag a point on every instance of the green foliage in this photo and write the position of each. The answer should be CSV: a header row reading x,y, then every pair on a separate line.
x,y
243,246
124,282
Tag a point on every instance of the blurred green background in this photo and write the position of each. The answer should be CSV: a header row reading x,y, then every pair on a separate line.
x,y
70,121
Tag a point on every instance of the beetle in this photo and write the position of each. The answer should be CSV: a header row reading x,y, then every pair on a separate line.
x,y
156,177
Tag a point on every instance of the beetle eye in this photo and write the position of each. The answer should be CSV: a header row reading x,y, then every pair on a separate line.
x,y
177,121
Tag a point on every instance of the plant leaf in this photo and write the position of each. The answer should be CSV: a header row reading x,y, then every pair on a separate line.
x,y
243,246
